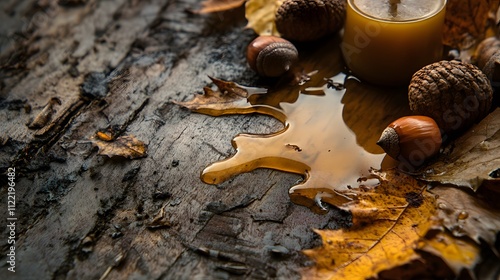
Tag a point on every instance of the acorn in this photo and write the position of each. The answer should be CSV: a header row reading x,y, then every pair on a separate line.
x,y
308,20
455,94
271,56
487,58
485,50
413,139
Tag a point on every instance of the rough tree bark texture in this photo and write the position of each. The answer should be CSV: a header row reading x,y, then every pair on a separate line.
x,y
119,64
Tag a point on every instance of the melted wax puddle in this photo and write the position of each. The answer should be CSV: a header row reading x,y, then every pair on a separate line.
x,y
315,143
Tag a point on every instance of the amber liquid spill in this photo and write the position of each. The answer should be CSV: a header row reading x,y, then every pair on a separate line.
x,y
329,135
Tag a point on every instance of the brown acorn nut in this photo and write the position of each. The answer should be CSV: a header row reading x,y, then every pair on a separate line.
x,y
308,20
487,58
271,56
485,50
455,94
412,138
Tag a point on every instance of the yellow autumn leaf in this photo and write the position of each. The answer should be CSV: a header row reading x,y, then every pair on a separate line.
x,y
397,224
377,242
456,253
261,14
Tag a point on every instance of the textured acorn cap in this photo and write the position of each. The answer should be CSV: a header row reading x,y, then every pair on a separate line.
x,y
389,142
455,94
308,20
271,56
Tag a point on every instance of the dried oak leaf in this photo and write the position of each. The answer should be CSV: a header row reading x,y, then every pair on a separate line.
x,y
261,15
394,219
467,21
228,98
124,146
211,6
472,159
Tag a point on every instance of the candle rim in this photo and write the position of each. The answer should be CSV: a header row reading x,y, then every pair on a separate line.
x,y
362,13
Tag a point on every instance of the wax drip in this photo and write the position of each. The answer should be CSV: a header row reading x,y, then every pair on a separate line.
x,y
393,9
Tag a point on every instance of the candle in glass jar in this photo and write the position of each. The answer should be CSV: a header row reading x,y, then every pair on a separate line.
x,y
386,41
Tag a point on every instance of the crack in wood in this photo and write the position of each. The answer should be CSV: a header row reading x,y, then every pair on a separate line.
x,y
132,117
213,148
218,207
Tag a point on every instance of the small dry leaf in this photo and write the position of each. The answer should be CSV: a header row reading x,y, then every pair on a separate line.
x,y
473,158
124,146
261,14
211,6
230,97
467,21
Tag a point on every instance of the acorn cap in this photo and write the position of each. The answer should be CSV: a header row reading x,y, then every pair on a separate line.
x,y
306,20
271,56
389,142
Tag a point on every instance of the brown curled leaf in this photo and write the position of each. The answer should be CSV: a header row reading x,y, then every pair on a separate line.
x,y
467,215
472,158
229,97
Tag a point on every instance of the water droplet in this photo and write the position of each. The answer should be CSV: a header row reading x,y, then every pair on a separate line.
x,y
442,206
458,231
463,215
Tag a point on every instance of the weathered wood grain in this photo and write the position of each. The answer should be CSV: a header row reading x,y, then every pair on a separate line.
x,y
85,216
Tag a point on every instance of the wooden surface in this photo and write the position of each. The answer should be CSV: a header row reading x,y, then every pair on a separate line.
x,y
119,64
